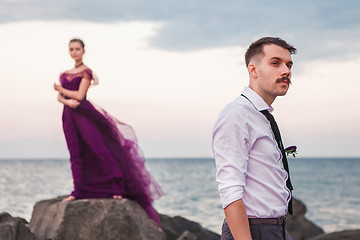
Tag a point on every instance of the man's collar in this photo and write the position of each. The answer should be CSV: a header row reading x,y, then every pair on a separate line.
x,y
256,100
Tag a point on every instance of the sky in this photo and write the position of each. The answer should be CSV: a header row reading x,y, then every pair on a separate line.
x,y
168,67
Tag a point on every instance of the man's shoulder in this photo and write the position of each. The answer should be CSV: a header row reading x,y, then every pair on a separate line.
x,y
240,106
237,110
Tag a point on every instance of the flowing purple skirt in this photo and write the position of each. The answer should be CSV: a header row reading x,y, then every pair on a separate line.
x,y
105,158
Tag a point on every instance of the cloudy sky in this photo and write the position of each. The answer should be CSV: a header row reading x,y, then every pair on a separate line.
x,y
168,67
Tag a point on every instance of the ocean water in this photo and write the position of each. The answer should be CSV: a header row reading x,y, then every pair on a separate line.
x,y
330,188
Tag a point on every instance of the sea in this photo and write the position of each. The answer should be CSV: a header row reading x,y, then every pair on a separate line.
x,y
329,187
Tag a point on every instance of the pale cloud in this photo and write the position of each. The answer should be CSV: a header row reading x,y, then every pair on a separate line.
x,y
321,29
172,99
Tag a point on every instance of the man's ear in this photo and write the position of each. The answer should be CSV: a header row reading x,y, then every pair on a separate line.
x,y
252,70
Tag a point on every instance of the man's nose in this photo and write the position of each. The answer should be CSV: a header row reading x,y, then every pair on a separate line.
x,y
285,70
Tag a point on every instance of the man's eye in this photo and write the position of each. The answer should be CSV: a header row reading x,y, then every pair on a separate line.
x,y
275,63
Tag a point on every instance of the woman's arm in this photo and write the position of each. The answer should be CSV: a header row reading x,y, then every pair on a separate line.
x,y
72,103
75,94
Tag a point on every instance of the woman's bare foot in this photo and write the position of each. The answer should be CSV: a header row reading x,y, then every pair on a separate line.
x,y
117,197
68,199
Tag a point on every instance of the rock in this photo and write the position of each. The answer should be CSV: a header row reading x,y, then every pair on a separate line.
x,y
14,228
187,236
89,219
177,228
343,235
298,226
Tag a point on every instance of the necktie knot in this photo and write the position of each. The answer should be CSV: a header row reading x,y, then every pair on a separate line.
x,y
268,115
265,112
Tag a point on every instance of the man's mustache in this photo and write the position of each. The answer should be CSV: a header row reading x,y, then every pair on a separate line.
x,y
283,79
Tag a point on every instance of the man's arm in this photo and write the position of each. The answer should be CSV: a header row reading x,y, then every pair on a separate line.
x,y
231,152
237,220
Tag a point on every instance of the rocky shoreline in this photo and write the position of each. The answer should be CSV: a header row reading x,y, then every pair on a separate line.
x,y
110,219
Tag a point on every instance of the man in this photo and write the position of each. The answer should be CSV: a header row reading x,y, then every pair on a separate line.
x,y
254,187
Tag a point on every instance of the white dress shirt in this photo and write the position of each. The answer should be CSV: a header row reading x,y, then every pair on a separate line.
x,y
248,160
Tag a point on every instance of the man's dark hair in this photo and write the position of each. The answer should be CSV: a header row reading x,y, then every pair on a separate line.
x,y
257,47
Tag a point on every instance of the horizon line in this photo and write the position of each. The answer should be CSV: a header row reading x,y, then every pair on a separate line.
x,y
163,158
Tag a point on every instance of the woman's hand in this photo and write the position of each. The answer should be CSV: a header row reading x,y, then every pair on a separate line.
x,y
73,103
57,87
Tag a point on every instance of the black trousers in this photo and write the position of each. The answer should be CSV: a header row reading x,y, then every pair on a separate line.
x,y
259,232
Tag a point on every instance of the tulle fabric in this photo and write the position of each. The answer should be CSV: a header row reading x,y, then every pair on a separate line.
x,y
105,157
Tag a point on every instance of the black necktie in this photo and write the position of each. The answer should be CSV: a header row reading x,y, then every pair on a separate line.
x,y
277,135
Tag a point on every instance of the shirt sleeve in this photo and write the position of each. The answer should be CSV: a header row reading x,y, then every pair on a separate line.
x,y
230,148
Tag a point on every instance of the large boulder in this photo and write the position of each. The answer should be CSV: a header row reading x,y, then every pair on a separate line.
x,y
87,219
343,235
179,228
14,228
298,226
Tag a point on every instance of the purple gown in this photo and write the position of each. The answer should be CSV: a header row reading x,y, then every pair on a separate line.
x,y
104,155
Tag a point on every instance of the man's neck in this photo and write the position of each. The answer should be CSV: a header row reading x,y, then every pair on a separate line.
x,y
268,99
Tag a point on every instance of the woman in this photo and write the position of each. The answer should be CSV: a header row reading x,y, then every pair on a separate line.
x,y
105,159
